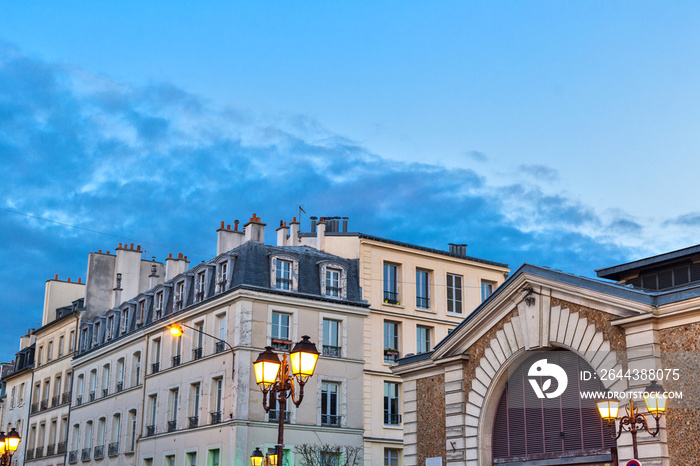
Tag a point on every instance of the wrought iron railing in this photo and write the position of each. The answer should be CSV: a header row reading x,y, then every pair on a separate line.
x,y
422,302
120,386
273,415
220,347
392,418
330,420
65,398
61,447
39,452
113,449
216,417
99,452
29,455
150,430
391,297
155,367
44,404
331,351
78,400
176,360
54,400
197,353
34,408
391,356
281,345
334,291
105,392
85,454
50,449
92,395
192,422
73,456
172,426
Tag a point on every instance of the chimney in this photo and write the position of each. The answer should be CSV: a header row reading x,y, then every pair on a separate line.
x,y
175,265
282,233
345,224
321,235
153,277
227,239
313,224
254,230
294,233
458,249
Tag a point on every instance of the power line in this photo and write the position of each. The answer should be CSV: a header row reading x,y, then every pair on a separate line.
x,y
103,233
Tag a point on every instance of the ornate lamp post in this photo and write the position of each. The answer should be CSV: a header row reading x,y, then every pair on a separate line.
x,y
278,379
257,458
8,446
633,421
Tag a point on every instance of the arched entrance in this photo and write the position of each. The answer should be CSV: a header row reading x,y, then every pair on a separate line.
x,y
536,431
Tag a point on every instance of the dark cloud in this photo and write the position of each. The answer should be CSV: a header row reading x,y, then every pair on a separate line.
x,y
540,172
165,166
625,226
687,220
476,156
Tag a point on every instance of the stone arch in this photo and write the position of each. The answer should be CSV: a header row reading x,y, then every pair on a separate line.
x,y
526,328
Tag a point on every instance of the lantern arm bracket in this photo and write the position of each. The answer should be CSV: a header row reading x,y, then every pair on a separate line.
x,y
296,401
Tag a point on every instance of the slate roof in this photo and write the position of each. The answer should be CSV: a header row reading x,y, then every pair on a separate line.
x,y
615,272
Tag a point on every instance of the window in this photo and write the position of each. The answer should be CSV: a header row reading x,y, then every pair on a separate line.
x,y
454,293
213,457
329,404
331,345
391,342
191,458
486,290
93,384
197,352
39,355
12,398
152,412
96,334
159,301
221,325
217,388
391,404
283,275
391,457
135,369
172,407
280,331
120,375
116,434
223,276
125,321
333,283
422,339
131,431
195,395
274,414
76,436
180,295
84,340
200,286
106,372
110,327
49,352
101,431
423,289
60,346
71,341
170,460
88,434
155,367
391,284
79,391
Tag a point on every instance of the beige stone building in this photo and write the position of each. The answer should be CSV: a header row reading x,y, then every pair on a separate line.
x,y
467,402
417,295
18,382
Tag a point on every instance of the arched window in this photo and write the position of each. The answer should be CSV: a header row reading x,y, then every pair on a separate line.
x,y
528,428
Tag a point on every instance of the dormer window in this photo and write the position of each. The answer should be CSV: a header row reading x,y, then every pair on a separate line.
x,y
142,310
333,283
199,295
125,320
180,295
159,302
110,327
96,334
222,276
333,280
283,276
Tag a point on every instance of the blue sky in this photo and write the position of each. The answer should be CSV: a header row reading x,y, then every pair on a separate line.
x,y
558,133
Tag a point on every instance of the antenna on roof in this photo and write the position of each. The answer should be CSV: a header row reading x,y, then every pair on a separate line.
x,y
301,209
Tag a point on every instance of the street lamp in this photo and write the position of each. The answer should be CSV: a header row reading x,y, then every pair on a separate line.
x,y
257,458
176,330
633,421
279,378
8,446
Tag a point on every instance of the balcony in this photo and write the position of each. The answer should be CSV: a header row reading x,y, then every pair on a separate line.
x,y
39,452
61,447
391,355
391,297
172,425
78,400
281,345
331,351
65,398
216,417
176,361
113,449
392,419
92,395
73,456
105,392
197,354
29,455
54,400
85,454
330,420
273,416
192,422
155,367
99,452
34,409
120,387
50,449
150,431
423,303
44,404
220,347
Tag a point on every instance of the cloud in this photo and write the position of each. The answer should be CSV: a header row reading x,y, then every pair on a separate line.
x,y
539,172
476,155
687,220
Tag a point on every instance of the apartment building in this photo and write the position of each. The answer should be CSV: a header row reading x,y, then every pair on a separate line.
x,y
18,382
142,396
417,296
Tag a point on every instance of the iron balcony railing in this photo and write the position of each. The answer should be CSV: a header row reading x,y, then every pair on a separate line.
x,y
85,454
193,421
331,351
150,430
422,302
29,455
281,345
392,418
92,395
65,398
273,416
216,417
220,347
113,449
79,400
176,360
330,420
391,356
73,456
197,353
39,452
120,386
155,367
391,297
44,404
105,392
172,426
54,400
99,452
35,408
50,449
61,447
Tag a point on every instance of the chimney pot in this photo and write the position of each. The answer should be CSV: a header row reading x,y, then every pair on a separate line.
x,y
235,225
294,219
222,224
170,256
80,279
138,247
228,227
108,253
179,255
132,246
56,277
120,244
99,251
68,280
186,258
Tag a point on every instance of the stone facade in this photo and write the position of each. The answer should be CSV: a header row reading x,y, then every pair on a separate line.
x,y
430,409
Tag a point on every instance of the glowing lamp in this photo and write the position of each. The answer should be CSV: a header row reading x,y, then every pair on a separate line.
x,y
655,399
303,358
272,459
12,440
608,409
266,368
2,443
176,330
257,458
